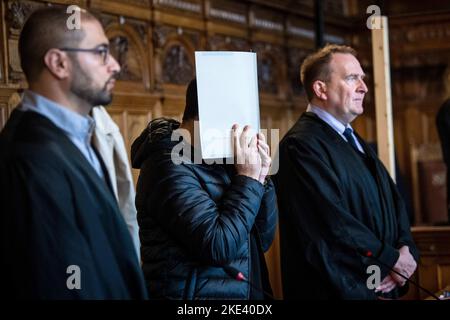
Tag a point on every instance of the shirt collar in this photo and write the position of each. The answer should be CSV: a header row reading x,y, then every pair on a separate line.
x,y
67,120
328,118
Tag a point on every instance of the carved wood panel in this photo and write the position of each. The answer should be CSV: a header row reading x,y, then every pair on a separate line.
x,y
16,14
178,67
295,59
434,266
9,99
270,77
174,54
130,47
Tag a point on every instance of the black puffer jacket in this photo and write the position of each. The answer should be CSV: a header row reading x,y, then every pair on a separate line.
x,y
196,218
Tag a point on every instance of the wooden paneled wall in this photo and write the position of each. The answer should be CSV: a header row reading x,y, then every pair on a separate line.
x,y
154,41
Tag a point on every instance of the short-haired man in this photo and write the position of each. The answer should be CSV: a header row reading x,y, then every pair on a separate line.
x,y
337,202
63,236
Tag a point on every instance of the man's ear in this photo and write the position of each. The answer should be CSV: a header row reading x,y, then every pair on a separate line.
x,y
320,89
57,63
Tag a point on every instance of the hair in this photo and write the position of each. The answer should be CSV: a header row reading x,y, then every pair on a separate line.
x,y
316,66
191,108
45,29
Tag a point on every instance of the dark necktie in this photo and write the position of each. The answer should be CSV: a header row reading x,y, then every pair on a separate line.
x,y
348,135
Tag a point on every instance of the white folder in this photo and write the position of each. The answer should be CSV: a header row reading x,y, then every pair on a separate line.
x,y
227,87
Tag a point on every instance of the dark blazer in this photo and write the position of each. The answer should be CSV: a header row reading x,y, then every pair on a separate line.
x,y
56,213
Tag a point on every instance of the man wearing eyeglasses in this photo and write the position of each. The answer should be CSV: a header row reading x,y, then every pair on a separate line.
x,y
63,236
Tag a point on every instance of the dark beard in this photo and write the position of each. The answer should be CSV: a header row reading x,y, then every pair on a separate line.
x,y
82,87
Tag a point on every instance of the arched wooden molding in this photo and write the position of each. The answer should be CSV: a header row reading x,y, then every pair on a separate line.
x,y
269,73
135,48
183,67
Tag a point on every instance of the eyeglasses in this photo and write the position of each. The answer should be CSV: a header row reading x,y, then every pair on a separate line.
x,y
102,51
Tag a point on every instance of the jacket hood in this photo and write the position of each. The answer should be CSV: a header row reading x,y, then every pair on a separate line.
x,y
156,136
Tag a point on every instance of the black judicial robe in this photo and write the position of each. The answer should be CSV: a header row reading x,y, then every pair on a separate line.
x,y
56,212
334,205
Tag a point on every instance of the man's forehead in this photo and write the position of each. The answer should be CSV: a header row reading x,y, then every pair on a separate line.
x,y
94,33
346,63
